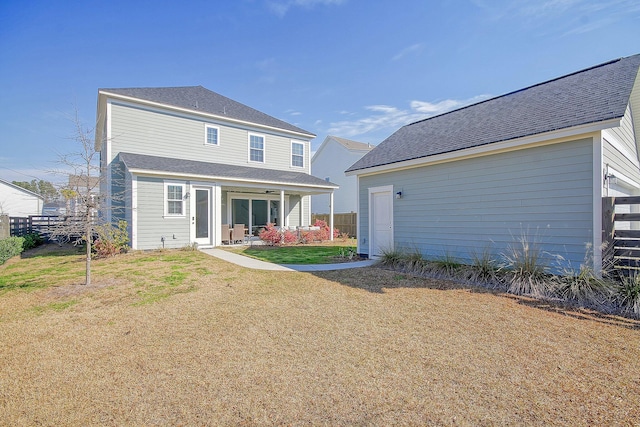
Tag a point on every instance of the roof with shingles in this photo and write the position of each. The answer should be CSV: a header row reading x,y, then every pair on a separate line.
x,y
589,96
352,145
220,171
203,100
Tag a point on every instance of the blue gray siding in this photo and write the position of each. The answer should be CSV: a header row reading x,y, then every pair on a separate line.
x,y
152,225
142,131
464,207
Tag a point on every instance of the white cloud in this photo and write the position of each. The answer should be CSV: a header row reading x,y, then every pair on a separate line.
x,y
414,48
389,118
571,16
281,7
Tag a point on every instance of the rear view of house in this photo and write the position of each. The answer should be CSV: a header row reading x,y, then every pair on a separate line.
x,y
179,162
532,164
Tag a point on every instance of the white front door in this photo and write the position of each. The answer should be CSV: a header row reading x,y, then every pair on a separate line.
x,y
381,220
201,215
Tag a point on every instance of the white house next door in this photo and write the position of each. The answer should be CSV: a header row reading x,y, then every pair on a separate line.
x,y
381,219
201,215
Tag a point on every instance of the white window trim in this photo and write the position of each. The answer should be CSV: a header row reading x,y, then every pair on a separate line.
x,y
264,148
304,151
206,134
166,200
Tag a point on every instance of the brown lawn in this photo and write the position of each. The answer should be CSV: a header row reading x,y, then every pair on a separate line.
x,y
180,338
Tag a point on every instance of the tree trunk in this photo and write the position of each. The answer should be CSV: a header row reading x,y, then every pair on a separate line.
x,y
88,241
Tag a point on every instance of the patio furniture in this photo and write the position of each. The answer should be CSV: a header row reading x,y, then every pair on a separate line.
x,y
237,234
225,234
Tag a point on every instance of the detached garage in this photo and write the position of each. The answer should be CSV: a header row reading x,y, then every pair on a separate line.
x,y
534,164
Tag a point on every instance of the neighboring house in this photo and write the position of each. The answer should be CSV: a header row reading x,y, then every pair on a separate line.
x,y
17,201
79,186
181,161
329,163
535,163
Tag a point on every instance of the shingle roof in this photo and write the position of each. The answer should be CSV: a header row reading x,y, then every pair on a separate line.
x,y
201,99
589,96
220,171
352,145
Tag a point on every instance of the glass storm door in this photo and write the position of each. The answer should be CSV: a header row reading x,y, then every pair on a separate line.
x,y
201,218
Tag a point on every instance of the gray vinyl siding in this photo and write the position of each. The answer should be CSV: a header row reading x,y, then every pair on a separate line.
x,y
294,211
462,207
142,131
624,135
152,224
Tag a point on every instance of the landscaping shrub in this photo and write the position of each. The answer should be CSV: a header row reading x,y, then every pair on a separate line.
x,y
112,240
525,273
583,287
273,236
31,241
10,247
322,233
627,295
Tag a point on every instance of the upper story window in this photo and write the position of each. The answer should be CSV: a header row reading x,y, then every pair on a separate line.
x,y
256,148
174,196
212,134
297,154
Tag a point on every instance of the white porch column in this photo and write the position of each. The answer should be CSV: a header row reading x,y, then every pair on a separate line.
x,y
331,216
284,219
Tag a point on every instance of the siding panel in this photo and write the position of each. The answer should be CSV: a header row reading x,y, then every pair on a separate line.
x,y
141,131
463,207
151,222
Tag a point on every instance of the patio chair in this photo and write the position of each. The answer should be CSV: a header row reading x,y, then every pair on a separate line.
x,y
238,233
225,234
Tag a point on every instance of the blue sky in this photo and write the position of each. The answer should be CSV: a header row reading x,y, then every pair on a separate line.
x,y
358,69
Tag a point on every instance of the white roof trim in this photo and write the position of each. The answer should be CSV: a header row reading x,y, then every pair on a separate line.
x,y
17,187
546,138
201,113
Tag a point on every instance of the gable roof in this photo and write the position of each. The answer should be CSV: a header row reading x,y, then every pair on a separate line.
x,y
351,145
141,162
203,100
590,96
24,190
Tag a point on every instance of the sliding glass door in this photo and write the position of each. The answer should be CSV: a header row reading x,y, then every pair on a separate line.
x,y
255,213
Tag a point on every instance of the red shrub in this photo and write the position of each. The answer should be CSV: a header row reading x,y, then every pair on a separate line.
x,y
273,236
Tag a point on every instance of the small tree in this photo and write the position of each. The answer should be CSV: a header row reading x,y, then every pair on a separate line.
x,y
83,169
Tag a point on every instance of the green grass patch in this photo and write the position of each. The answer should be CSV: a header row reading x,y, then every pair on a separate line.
x,y
296,254
55,306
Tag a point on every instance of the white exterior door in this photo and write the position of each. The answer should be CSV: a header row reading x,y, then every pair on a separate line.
x,y
380,220
201,216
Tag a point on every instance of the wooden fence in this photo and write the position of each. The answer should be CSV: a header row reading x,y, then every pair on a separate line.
x,y
346,222
41,224
621,234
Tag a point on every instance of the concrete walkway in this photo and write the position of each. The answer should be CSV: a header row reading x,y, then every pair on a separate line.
x,y
256,264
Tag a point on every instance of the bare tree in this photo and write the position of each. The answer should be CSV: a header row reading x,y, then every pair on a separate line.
x,y
83,170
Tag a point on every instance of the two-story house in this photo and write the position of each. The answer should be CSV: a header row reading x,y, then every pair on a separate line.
x,y
179,162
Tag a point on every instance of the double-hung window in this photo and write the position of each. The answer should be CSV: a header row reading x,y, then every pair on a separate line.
x,y
174,194
297,154
211,136
256,148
